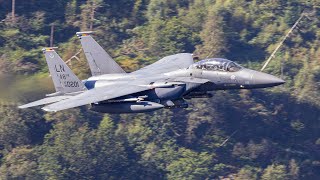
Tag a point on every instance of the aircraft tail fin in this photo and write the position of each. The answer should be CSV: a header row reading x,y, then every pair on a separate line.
x,y
64,80
100,62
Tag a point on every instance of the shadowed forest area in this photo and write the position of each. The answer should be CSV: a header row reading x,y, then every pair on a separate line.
x,y
270,134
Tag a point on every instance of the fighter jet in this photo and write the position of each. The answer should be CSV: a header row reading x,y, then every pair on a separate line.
x,y
167,83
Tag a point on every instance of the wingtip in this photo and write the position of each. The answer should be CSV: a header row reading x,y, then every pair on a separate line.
x,y
25,106
21,107
84,33
47,109
49,49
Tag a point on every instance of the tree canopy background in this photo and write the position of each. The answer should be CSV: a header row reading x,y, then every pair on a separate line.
x,y
273,133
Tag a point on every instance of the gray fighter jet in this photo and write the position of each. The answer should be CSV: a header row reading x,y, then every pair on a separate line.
x,y
166,83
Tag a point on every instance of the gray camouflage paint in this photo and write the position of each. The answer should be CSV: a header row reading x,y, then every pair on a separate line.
x,y
163,84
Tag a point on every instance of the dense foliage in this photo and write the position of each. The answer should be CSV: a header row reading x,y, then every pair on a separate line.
x,y
259,134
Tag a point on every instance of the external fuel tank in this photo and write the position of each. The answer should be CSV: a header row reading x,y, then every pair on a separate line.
x,y
126,107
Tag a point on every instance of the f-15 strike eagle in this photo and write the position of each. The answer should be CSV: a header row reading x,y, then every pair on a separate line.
x,y
165,84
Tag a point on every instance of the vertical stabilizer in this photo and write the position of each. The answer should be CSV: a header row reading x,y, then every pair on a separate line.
x,y
64,80
99,60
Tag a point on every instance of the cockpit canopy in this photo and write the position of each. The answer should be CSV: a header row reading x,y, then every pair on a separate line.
x,y
217,64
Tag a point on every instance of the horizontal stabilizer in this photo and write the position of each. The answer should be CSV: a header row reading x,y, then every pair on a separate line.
x,y
44,101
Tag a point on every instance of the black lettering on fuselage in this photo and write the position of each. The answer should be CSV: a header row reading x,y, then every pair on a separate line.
x,y
71,84
60,69
63,76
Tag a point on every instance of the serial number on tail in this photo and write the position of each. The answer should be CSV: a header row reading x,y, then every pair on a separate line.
x,y
71,84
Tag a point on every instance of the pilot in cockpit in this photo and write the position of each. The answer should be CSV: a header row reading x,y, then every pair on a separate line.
x,y
233,67
217,64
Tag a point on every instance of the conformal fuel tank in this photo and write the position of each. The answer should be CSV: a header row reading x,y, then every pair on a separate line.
x,y
126,107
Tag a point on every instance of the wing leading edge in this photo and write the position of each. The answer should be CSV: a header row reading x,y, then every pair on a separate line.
x,y
167,64
44,101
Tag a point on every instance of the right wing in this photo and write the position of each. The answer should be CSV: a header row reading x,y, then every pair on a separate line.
x,y
95,95
167,64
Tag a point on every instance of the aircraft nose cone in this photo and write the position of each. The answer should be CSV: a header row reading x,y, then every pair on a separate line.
x,y
266,80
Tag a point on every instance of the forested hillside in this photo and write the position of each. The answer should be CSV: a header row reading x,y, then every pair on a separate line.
x,y
265,134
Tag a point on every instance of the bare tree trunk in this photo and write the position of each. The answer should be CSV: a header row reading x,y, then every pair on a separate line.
x,y
52,35
13,11
93,9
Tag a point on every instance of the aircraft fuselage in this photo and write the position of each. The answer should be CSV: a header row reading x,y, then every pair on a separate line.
x,y
170,94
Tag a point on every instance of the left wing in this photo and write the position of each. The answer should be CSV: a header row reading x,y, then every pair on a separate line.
x,y
110,92
44,101
95,95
